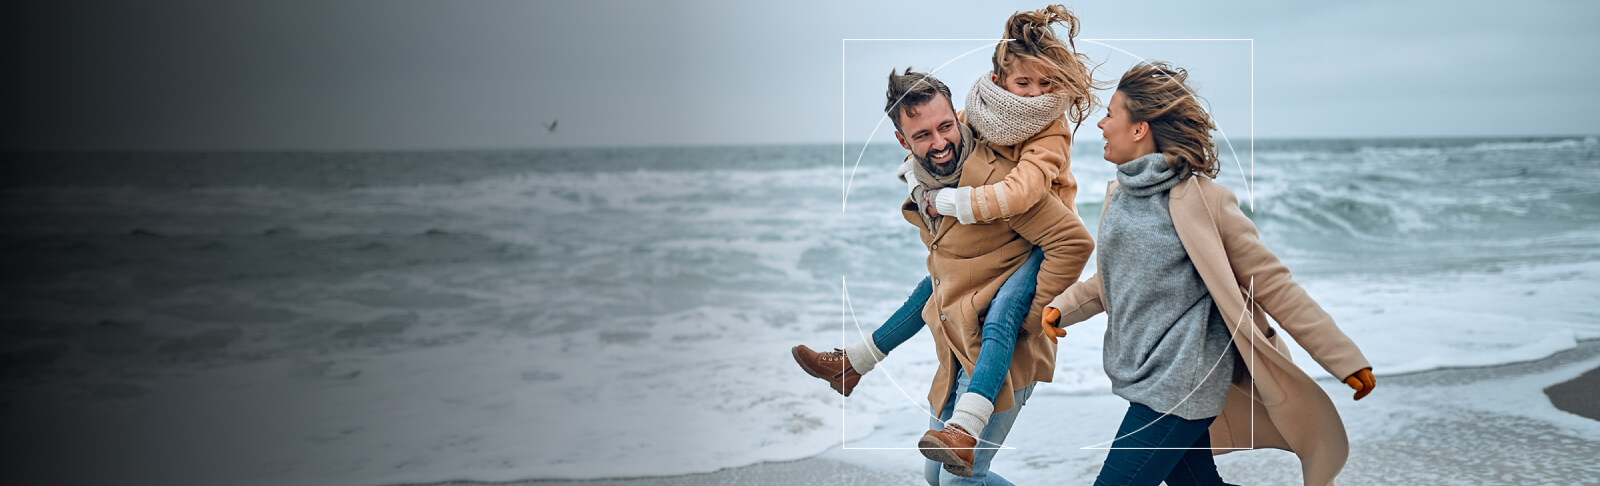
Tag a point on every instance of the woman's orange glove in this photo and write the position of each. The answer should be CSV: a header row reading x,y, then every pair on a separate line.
x,y
1051,315
1362,381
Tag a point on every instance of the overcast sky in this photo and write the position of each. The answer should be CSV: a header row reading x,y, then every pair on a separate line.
x,y
443,75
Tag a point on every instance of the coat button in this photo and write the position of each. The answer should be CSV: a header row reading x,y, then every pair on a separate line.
x,y
936,281
941,317
935,246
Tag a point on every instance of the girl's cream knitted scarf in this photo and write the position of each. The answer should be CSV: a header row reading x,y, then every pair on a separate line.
x,y
1004,118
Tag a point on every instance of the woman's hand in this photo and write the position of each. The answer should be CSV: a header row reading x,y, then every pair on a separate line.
x,y
1362,380
1051,315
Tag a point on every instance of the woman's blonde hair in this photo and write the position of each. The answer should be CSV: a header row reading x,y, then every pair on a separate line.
x,y
1158,93
1032,40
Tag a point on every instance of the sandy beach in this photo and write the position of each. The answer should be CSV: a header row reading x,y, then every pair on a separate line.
x,y
802,472
1489,425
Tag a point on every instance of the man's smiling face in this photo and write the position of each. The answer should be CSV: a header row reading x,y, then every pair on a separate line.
x,y
929,131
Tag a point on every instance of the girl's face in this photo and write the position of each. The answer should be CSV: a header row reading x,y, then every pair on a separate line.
x,y
1125,139
1025,79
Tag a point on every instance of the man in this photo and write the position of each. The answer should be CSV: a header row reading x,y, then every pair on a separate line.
x,y
967,265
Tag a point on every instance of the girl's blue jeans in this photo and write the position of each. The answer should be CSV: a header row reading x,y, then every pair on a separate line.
x,y
1000,325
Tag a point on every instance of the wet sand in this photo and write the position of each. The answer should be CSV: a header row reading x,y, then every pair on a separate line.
x,y
812,471
1489,425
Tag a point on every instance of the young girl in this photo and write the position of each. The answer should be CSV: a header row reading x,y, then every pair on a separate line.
x,y
1022,109
1181,277
1039,85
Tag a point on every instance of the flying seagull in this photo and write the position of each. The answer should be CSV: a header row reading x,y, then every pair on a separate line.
x,y
551,127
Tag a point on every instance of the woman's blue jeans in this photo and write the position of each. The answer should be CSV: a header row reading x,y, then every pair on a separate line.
x,y
1000,325
1137,457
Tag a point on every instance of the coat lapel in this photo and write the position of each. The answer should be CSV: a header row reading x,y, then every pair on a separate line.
x,y
1195,220
1202,241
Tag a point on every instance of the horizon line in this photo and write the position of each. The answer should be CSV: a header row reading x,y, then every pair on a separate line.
x,y
511,148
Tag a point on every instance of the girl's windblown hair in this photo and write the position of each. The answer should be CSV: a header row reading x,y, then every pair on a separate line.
x,y
1033,40
1159,93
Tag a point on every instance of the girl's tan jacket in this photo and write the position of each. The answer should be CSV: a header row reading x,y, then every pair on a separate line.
x,y
1043,168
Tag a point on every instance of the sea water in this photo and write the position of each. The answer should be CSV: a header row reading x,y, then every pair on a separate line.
x,y
371,318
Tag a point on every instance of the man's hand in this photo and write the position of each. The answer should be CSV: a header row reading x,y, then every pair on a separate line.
x,y
928,198
1362,381
1048,322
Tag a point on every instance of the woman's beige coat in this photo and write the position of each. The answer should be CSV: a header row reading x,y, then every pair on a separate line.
x,y
1285,409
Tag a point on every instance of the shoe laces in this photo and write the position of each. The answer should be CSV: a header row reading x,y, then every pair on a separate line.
x,y
836,355
956,429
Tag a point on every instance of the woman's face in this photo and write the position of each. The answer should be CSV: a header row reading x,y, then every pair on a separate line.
x,y
1125,139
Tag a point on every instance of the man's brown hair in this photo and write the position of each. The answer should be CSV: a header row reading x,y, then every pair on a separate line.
x,y
911,89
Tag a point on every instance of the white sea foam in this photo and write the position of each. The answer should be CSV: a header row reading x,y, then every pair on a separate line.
x,y
1541,145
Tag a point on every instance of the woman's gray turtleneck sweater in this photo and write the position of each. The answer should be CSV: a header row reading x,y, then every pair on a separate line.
x,y
1166,345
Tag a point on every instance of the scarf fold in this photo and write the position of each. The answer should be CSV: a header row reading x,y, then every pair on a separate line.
x,y
1007,119
928,182
1148,175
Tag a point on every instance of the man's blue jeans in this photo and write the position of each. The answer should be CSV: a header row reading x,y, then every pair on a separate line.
x,y
1134,459
988,442
1000,325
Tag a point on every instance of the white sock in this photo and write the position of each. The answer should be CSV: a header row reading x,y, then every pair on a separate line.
x,y
864,356
972,413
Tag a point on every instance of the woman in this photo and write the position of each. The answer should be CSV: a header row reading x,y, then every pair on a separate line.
x,y
1182,278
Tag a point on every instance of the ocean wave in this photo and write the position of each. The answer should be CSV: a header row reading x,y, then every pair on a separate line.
x,y
169,260
648,191
1402,152
1350,212
1571,143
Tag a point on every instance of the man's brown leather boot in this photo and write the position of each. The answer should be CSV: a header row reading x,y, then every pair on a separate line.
x,y
951,446
834,367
